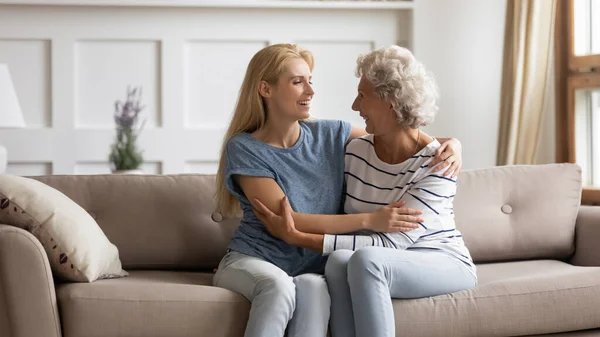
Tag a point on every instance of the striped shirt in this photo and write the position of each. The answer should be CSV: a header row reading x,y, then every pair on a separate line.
x,y
372,184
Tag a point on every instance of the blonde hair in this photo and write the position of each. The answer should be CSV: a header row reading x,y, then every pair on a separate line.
x,y
402,81
250,112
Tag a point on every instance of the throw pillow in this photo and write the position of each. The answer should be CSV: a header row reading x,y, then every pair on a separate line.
x,y
77,248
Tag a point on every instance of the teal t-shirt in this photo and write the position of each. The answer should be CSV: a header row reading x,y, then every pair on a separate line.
x,y
310,173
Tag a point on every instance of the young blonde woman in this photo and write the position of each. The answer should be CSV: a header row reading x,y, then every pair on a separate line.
x,y
271,149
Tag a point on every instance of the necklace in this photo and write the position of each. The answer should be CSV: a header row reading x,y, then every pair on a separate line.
x,y
417,144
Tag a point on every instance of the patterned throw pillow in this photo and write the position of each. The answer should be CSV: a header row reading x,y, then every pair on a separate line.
x,y
77,248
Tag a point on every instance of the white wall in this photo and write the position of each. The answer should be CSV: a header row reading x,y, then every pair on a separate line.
x,y
461,42
70,63
55,54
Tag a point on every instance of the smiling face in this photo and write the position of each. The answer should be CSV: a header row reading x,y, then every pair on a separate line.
x,y
379,115
292,94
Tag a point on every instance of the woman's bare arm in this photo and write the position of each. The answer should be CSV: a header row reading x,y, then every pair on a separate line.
x,y
356,132
270,194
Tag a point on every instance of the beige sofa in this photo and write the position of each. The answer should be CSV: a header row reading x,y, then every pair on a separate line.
x,y
533,244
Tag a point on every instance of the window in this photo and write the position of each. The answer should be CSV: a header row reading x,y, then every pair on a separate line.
x,y
586,30
577,55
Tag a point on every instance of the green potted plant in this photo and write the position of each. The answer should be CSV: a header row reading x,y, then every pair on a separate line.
x,y
125,156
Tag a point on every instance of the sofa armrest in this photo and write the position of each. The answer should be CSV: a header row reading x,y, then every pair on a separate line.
x,y
587,236
27,296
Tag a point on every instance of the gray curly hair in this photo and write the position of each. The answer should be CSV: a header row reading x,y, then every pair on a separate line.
x,y
402,81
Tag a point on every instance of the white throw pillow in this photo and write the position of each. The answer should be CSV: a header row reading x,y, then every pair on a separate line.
x,y
77,248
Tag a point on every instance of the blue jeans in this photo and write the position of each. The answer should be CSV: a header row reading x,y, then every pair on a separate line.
x,y
363,283
301,304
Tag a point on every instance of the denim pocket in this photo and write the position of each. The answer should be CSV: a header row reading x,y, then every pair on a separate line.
x,y
229,258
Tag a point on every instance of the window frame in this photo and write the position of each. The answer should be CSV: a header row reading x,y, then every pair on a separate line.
x,y
572,72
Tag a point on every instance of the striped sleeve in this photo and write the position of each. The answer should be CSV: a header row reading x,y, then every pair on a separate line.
x,y
434,195
354,242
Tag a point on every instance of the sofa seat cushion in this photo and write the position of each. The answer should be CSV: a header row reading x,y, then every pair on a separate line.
x,y
582,333
151,303
512,299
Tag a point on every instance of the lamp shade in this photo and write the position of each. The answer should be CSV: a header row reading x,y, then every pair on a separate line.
x,y
10,110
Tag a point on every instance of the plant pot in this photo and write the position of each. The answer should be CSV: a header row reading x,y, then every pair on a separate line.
x,y
127,172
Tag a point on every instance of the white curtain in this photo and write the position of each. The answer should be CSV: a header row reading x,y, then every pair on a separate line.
x,y
526,77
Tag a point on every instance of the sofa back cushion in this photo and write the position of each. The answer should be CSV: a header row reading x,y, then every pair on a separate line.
x,y
519,212
169,222
157,222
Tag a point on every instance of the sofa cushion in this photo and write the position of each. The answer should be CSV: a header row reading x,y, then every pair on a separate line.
x,y
77,248
582,333
152,303
519,212
512,299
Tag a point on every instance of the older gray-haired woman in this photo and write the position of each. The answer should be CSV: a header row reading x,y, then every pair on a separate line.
x,y
396,95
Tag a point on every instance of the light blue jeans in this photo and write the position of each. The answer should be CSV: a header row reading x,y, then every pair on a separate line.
x,y
299,303
363,283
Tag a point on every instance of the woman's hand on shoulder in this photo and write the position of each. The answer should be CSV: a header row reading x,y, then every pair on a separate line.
x,y
394,218
450,157
281,225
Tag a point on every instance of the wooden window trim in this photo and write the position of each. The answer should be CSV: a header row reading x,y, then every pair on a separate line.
x,y
582,62
565,128
568,78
